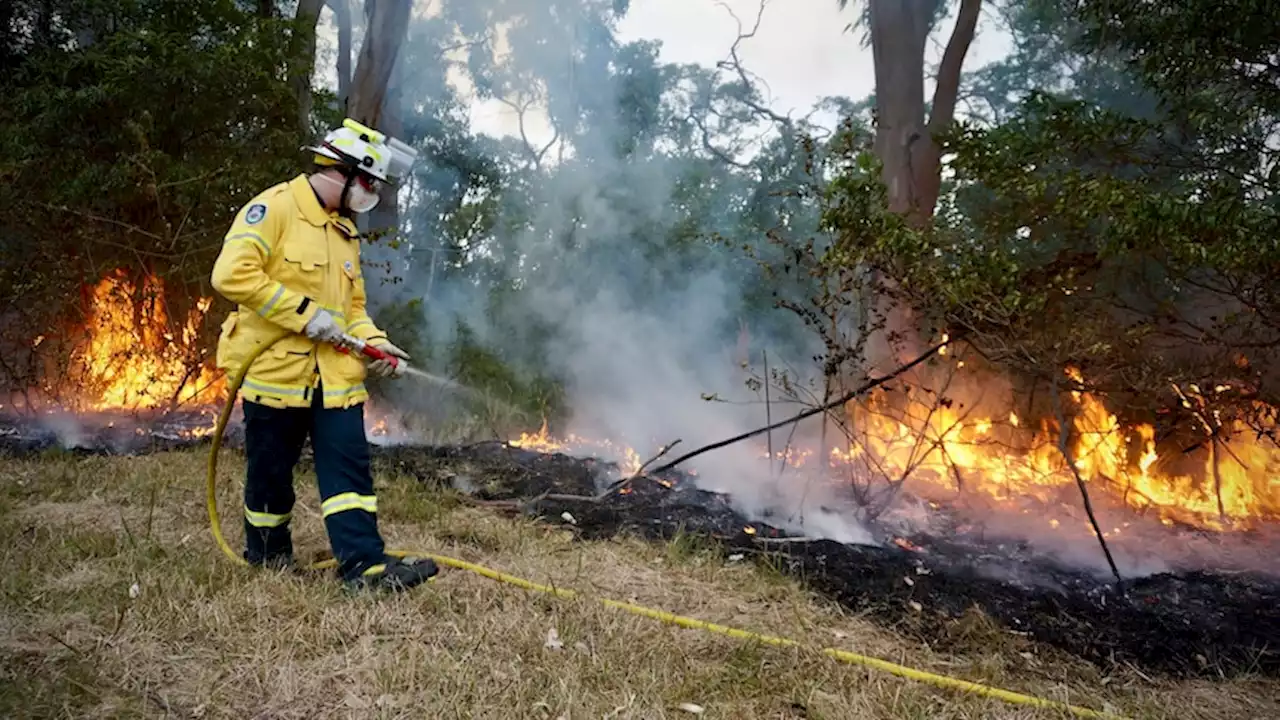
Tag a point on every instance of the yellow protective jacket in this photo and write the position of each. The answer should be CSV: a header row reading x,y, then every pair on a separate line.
x,y
284,258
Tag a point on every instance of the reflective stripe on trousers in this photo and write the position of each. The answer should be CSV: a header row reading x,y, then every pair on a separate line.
x,y
273,444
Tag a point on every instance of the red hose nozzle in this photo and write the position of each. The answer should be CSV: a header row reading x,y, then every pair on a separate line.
x,y
369,351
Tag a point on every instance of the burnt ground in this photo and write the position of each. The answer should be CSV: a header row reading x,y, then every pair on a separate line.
x,y
1178,624
1184,624
125,434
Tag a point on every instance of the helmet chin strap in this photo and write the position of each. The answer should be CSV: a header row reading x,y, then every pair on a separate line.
x,y
343,209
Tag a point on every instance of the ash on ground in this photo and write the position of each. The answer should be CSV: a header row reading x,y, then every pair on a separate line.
x,y
111,433
1181,624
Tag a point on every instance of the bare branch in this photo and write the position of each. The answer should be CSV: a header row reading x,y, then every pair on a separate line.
x,y
707,145
735,63
861,390
1064,447
535,154
95,218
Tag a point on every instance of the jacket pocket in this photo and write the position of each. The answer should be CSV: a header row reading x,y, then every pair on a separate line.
x,y
305,266
284,369
227,354
291,358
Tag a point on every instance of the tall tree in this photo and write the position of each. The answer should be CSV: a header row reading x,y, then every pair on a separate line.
x,y
304,58
375,98
905,132
342,18
388,24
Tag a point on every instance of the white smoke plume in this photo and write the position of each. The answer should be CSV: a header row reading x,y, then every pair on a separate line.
x,y
640,329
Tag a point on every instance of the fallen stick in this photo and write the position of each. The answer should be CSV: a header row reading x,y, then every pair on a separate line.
x,y
639,471
867,387
662,451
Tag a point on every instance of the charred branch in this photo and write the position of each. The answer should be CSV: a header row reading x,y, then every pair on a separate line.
x,y
768,407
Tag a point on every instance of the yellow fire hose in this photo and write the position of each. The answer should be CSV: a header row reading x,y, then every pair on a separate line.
x,y
935,679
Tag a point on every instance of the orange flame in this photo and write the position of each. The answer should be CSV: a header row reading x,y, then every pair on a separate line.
x,y
133,359
930,445
941,451
628,459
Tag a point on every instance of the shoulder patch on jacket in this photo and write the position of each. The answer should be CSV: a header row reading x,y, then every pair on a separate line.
x,y
255,213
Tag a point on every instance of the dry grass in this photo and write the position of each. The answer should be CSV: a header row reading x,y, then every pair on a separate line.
x,y
200,637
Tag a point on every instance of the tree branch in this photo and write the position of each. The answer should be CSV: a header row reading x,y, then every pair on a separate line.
x,y
1064,442
861,390
947,88
735,62
534,154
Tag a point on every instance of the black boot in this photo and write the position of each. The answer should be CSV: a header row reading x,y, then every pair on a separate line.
x,y
396,575
276,561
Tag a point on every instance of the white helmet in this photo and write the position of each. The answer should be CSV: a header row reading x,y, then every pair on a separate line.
x,y
367,150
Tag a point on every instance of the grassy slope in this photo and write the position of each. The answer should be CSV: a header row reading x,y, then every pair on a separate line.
x,y
203,638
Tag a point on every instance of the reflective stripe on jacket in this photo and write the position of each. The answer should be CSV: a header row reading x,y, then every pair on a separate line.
x,y
284,258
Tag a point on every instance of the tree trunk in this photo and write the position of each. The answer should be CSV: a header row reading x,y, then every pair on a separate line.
x,y
910,159
899,29
386,216
304,60
388,24
904,144
375,95
342,17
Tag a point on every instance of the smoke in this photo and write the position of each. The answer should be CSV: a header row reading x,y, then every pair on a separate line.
x,y
598,267
66,428
583,252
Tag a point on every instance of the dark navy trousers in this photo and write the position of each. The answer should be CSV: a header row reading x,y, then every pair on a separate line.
x,y
273,443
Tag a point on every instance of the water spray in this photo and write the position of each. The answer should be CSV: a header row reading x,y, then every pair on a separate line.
x,y
350,342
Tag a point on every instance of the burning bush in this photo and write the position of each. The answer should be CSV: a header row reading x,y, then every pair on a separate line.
x,y
126,351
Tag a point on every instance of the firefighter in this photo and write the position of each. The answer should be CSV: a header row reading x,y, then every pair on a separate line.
x,y
292,260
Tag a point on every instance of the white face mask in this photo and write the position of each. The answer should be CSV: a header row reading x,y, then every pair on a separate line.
x,y
361,200
358,199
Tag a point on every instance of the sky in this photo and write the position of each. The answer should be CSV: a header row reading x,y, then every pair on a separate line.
x,y
803,51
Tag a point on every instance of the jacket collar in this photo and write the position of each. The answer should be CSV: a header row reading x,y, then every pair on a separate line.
x,y
310,209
